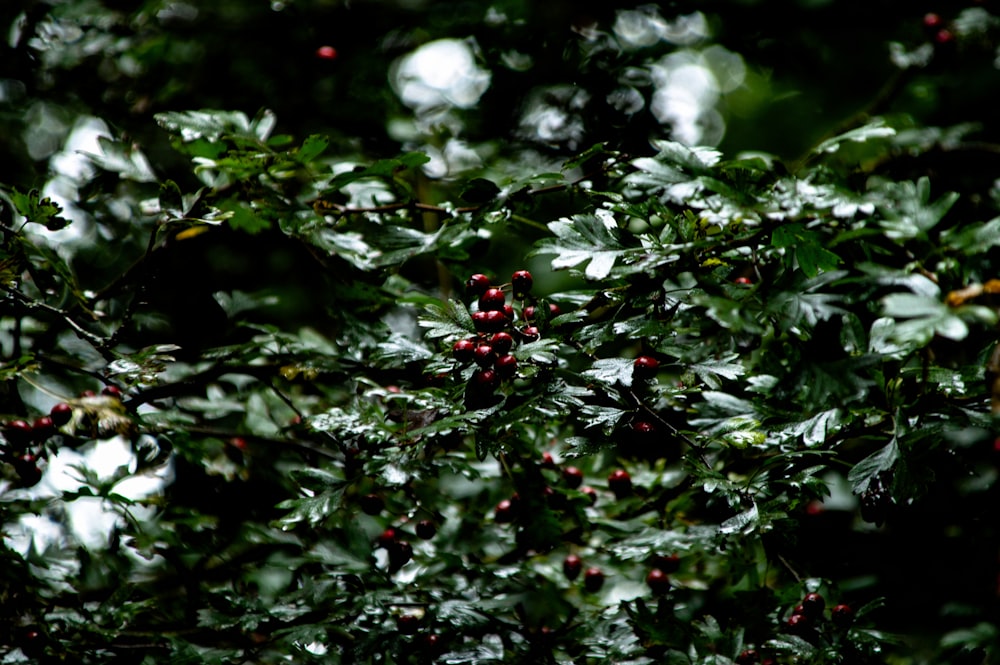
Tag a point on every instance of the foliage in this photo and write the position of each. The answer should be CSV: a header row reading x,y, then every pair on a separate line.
x,y
274,451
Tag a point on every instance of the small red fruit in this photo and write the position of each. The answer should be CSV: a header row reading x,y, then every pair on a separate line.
x,y
529,312
742,281
572,476
813,605
502,343
593,579
645,367
658,581
463,350
504,512
490,322
18,433
372,504
798,624
508,311
26,467
572,566
944,37
408,624
485,380
387,538
548,462
112,391
620,482
554,309
667,563
748,657
61,414
426,529
505,366
326,53
842,615
484,355
933,22
522,282
400,553
591,494
43,428
530,333
643,427
477,284
492,300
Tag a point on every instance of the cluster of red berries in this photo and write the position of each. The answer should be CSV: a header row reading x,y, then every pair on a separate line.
x,y
807,615
496,334
25,442
393,540
593,577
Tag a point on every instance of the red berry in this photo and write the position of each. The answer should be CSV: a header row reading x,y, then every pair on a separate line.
x,y
944,37
88,393
387,538
504,512
572,476
667,563
813,605
547,461
798,624
408,624
492,300
477,284
61,413
842,615
43,428
645,367
522,282
491,321
620,482
643,427
742,281
530,333
658,581
572,565
112,391
748,657
18,433
426,529
26,467
463,350
554,309
485,380
508,311
505,366
933,21
529,312
326,53
591,494
484,355
593,579
372,504
502,343
31,641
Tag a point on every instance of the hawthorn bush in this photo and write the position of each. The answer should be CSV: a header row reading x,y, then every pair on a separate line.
x,y
273,395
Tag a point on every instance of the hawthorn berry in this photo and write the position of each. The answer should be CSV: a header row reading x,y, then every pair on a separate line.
x,y
643,427
492,300
572,476
387,538
408,624
326,53
463,350
798,624
813,605
43,428
484,355
658,581
645,367
505,366
620,482
88,393
932,22
27,469
485,380
529,312
591,494
748,657
530,333
842,615
426,529
112,391
548,462
18,433
522,282
372,504
944,37
489,322
593,579
477,284
670,563
572,566
502,343
31,641
61,414
504,512
508,311
742,281
554,309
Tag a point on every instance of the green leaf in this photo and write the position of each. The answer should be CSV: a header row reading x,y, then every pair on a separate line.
x,y
711,371
206,124
876,129
612,371
450,320
592,239
312,148
867,469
